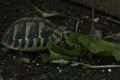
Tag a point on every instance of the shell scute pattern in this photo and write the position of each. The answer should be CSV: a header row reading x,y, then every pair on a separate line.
x,y
31,34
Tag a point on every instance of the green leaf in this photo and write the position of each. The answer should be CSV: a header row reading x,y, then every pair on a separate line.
x,y
56,56
56,52
73,39
97,45
116,54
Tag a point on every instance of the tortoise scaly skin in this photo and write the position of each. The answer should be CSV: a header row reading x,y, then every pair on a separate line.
x,y
31,34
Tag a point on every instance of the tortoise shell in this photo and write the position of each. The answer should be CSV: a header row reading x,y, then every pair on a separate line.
x,y
31,34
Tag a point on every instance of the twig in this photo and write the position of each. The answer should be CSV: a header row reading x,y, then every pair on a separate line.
x,y
77,25
53,13
45,14
99,66
50,13
60,14
91,30
110,19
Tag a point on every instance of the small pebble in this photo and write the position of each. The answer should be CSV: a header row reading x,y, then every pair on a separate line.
x,y
103,70
37,64
86,16
26,60
62,61
75,64
109,70
60,70
96,19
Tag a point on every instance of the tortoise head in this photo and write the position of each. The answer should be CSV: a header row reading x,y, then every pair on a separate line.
x,y
64,30
59,34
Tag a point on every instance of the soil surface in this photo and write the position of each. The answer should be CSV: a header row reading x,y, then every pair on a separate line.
x,y
11,62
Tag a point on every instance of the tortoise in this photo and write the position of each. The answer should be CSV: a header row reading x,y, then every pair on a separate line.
x,y
31,34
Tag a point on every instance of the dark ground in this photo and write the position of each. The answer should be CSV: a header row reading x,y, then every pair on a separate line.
x,y
11,67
